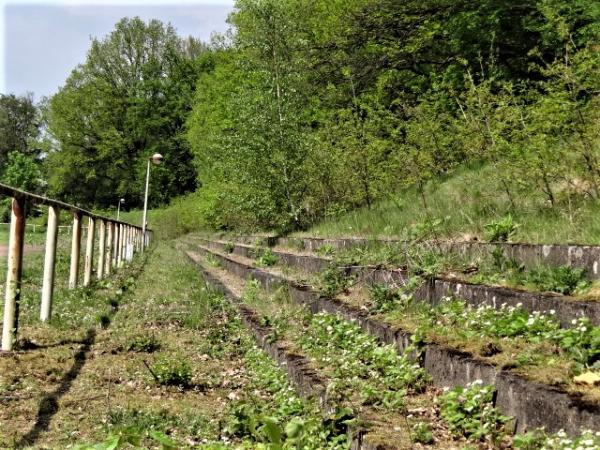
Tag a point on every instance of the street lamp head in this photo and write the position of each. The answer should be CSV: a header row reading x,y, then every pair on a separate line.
x,y
157,158
122,200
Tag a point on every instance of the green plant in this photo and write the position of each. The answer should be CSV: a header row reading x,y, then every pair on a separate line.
x,y
146,343
470,412
172,371
267,258
563,279
211,260
385,298
229,247
333,280
325,250
588,440
501,230
421,433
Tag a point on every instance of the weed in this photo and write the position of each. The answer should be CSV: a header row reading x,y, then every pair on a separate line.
x,y
229,247
212,261
385,298
469,412
325,250
559,441
170,371
378,373
334,280
563,279
267,258
144,343
421,433
501,230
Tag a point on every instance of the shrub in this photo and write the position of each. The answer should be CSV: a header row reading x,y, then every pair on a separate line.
x,y
501,230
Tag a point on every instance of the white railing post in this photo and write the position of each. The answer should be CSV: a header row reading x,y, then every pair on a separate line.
x,y
101,248
109,248
75,250
89,252
49,264
10,324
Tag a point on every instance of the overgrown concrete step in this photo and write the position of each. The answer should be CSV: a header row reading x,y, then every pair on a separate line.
x,y
298,367
566,308
531,255
532,404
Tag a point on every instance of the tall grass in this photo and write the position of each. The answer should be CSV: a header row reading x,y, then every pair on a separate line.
x,y
462,204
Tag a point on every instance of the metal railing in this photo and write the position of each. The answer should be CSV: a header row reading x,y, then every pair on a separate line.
x,y
117,242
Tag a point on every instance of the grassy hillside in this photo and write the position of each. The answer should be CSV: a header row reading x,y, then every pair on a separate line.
x,y
466,205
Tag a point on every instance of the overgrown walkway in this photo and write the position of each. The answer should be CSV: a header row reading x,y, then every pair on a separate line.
x,y
160,361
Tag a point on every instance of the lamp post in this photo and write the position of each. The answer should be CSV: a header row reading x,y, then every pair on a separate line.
x,y
155,159
121,200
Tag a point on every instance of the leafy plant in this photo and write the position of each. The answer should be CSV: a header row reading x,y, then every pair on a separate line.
x,y
325,250
563,279
385,298
229,247
267,258
470,412
170,371
334,280
501,230
146,343
421,433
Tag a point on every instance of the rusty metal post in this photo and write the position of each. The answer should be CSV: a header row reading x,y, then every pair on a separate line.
x,y
89,252
109,248
101,249
49,264
10,324
75,247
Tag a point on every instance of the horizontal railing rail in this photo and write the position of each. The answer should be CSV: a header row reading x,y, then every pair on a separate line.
x,y
117,242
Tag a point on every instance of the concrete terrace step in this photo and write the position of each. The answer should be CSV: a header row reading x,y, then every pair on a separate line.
x,y
566,308
532,404
577,255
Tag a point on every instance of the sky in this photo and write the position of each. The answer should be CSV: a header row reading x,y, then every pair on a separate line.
x,y
41,41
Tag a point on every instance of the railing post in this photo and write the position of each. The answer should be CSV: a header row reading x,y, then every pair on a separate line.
x,y
131,242
89,252
75,247
10,324
109,248
49,264
101,248
119,249
116,245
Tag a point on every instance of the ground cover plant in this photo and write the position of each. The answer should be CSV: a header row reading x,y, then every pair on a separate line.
x,y
361,369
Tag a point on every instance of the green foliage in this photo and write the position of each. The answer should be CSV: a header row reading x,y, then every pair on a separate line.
x,y
333,280
501,230
563,279
128,100
266,258
421,433
559,441
146,343
172,371
378,373
470,412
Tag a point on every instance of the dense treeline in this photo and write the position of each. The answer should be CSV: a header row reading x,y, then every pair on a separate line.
x,y
310,108
318,107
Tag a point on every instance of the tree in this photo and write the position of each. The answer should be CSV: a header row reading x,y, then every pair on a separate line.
x,y
128,100
19,126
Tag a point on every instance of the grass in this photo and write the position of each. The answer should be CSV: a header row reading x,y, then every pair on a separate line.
x,y
87,376
461,204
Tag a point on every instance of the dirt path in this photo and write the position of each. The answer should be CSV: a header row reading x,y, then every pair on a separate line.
x,y
26,249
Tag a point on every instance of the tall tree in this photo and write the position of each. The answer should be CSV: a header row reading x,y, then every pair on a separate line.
x,y
128,100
